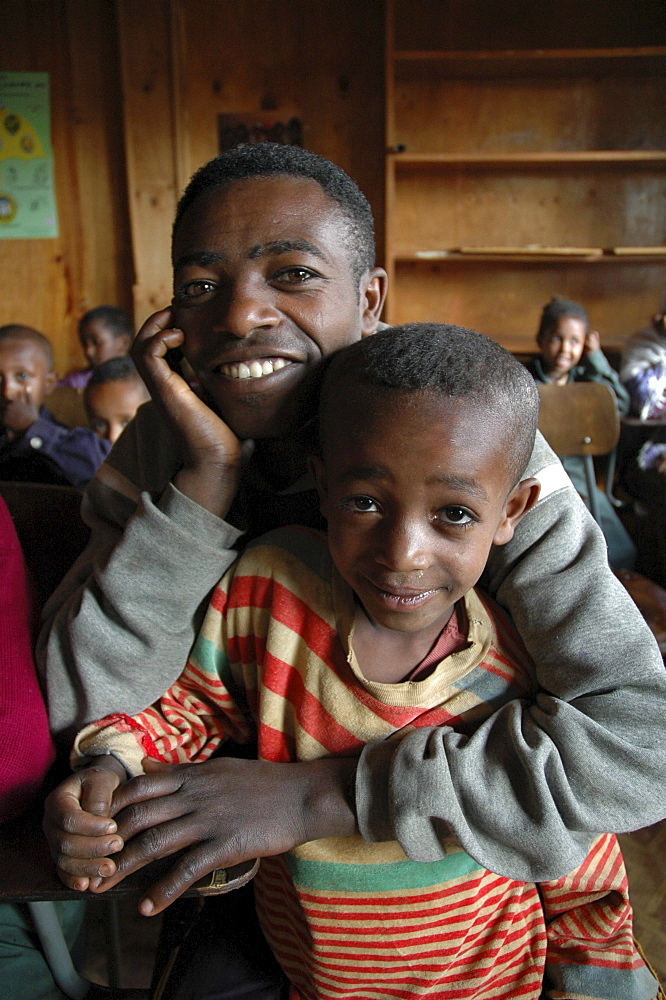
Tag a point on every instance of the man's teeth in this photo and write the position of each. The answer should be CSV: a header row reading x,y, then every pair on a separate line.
x,y
255,369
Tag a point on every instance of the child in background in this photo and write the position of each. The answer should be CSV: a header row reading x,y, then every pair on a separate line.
x,y
114,393
643,368
33,445
105,332
571,352
314,646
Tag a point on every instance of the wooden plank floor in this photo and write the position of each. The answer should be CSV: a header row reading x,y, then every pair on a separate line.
x,y
645,857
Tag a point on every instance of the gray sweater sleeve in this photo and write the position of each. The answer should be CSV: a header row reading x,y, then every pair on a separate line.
x,y
528,790
114,637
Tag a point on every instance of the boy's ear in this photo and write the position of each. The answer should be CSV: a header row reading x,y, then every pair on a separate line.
x,y
374,287
317,470
521,499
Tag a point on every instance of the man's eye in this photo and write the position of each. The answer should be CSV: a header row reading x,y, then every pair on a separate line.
x,y
359,504
455,515
295,275
195,289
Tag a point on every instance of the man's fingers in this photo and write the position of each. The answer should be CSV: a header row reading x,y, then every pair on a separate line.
x,y
160,320
192,866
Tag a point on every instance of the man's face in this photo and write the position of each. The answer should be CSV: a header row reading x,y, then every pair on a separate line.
x,y
414,489
24,375
263,291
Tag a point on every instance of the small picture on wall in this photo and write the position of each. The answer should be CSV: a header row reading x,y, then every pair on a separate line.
x,y
249,129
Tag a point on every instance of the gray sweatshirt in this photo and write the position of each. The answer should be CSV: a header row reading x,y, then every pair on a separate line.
x,y
525,794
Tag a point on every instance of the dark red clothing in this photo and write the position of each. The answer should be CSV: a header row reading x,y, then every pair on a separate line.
x,y
26,751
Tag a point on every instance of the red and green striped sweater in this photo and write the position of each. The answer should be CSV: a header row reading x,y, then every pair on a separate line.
x,y
274,664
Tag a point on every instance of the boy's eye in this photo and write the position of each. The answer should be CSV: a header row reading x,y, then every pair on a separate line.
x,y
359,504
22,376
455,515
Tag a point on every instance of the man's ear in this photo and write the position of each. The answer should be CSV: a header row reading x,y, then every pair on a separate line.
x,y
317,470
521,499
49,382
374,287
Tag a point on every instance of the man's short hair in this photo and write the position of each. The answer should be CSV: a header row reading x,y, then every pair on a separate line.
x,y
16,331
451,360
113,317
270,159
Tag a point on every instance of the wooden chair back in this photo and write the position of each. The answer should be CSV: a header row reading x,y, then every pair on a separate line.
x,y
580,418
48,523
66,404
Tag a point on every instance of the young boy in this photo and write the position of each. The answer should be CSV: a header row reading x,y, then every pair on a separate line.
x,y
114,393
313,647
571,352
33,445
105,332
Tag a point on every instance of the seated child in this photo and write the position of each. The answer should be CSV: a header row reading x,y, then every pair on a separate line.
x,y
643,368
313,646
105,332
571,352
114,393
33,445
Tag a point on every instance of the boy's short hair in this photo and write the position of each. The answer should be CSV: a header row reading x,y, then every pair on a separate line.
x,y
113,370
271,159
16,331
113,317
561,308
451,360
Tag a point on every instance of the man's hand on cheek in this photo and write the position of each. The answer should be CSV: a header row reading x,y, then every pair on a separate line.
x,y
212,453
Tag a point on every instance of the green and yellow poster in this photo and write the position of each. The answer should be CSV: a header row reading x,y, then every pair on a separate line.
x,y
27,195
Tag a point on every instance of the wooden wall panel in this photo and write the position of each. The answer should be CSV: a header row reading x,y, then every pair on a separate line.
x,y
49,283
322,61
150,145
504,299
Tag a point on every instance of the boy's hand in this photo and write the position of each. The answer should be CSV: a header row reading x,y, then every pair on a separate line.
x,y
592,342
212,452
19,414
223,812
78,824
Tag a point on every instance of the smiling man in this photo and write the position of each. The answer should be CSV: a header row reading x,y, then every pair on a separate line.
x,y
273,271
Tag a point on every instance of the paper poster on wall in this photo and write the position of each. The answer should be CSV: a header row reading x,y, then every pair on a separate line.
x,y
27,195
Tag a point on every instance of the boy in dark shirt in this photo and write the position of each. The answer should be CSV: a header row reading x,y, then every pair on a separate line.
x,y
34,446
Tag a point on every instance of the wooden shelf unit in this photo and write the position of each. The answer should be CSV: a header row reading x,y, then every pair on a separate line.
x,y
514,172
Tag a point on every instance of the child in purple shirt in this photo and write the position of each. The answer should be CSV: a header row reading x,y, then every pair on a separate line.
x,y
105,332
34,446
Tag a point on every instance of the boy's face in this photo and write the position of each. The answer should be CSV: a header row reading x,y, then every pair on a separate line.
x,y
562,348
25,376
263,290
100,344
415,492
112,405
